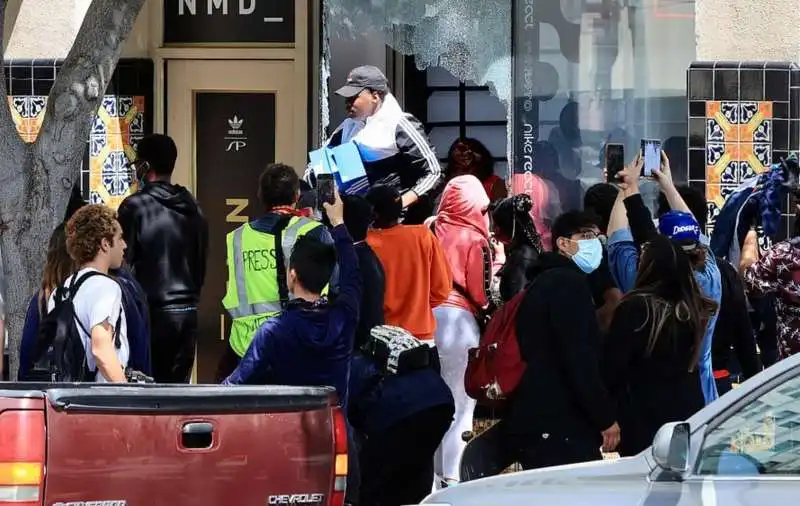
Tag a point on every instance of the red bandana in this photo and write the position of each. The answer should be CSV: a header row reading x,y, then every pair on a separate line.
x,y
305,213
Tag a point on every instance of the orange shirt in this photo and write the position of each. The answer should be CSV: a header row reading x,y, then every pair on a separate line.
x,y
418,276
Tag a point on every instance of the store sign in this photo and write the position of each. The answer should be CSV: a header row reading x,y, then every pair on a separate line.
x,y
234,142
229,21
525,113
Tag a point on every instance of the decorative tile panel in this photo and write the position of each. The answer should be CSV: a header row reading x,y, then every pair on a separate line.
x,y
119,124
738,141
124,117
743,117
28,114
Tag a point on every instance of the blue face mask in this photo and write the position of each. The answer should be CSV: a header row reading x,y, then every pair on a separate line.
x,y
589,255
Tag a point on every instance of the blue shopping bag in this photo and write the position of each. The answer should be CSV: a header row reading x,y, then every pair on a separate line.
x,y
322,162
348,162
345,163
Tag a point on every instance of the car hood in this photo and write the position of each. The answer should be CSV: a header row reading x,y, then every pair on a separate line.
x,y
620,481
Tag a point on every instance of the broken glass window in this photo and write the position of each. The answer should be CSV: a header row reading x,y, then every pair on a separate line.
x,y
469,38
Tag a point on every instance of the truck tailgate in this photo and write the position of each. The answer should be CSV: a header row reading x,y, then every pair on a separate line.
x,y
190,445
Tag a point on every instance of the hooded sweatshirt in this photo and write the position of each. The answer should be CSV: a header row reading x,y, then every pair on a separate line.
x,y
309,344
167,238
462,226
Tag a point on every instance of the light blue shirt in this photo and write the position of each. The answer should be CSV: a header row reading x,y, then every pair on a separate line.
x,y
623,261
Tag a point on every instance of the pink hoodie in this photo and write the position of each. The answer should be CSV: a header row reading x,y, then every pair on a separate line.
x,y
462,226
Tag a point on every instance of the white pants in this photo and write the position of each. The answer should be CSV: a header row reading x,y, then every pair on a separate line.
x,y
456,332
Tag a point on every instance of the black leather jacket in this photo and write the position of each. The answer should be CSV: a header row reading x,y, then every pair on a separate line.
x,y
167,238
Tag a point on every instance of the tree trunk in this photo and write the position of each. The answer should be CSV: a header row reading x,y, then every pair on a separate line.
x,y
36,179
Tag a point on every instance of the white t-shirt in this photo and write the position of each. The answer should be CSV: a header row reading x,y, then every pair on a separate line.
x,y
98,299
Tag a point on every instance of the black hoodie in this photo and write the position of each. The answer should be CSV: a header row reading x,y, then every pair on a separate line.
x,y
561,392
167,238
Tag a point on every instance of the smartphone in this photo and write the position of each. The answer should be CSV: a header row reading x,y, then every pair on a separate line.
x,y
615,161
651,151
325,189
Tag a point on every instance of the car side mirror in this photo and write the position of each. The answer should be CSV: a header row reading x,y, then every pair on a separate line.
x,y
671,447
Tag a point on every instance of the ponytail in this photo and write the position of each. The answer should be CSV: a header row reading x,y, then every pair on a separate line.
x,y
522,214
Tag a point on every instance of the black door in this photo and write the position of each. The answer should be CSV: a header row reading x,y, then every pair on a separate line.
x,y
234,142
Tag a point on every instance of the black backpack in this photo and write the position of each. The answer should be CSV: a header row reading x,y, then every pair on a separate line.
x,y
395,351
59,355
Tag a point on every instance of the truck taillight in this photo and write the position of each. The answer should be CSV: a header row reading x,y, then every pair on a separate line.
x,y
22,441
340,458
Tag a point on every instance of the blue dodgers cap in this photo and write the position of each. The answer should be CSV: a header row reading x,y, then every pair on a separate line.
x,y
680,227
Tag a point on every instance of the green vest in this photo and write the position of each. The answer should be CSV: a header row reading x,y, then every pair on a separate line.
x,y
252,294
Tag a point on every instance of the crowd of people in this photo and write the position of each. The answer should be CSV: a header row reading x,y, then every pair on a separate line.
x,y
143,268
624,322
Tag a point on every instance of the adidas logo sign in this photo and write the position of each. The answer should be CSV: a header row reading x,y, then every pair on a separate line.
x,y
236,125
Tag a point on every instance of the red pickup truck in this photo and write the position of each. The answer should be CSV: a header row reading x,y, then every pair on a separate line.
x,y
104,445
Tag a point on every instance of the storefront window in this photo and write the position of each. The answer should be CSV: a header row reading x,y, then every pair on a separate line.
x,y
467,37
584,73
588,72
456,110
469,40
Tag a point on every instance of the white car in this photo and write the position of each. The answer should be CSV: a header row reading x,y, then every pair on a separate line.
x,y
741,450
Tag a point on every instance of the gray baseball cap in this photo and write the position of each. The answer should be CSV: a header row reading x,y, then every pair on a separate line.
x,y
362,78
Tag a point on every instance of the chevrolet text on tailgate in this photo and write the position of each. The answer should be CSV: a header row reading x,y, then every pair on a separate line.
x,y
130,445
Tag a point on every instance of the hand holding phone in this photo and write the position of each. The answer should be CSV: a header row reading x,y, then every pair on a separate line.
x,y
325,186
651,152
335,210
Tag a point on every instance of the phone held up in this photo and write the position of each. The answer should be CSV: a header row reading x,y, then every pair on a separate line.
x,y
615,161
325,190
651,151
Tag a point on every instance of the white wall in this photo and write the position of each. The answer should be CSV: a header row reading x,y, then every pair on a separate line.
x,y
748,30
46,29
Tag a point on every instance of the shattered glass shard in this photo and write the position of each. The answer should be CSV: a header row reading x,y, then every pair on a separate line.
x,y
469,38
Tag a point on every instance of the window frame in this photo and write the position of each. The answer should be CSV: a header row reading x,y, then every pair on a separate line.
x,y
417,104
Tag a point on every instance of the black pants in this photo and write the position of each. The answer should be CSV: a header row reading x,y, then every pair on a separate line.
x,y
494,451
172,344
765,326
536,451
397,464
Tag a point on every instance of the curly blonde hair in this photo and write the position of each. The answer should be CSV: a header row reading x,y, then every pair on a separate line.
x,y
86,230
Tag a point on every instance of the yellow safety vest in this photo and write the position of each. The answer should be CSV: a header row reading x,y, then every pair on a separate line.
x,y
252,294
